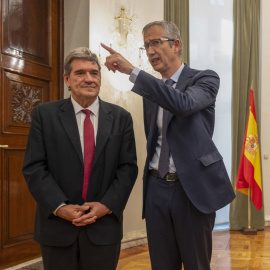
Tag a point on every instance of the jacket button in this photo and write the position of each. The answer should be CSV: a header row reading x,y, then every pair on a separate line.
x,y
81,173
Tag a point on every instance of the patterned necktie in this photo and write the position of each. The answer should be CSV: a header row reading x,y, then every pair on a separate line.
x,y
163,165
89,150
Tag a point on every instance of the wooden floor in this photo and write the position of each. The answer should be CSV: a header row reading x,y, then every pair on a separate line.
x,y
231,250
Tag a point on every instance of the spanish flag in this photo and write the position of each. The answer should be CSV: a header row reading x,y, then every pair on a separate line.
x,y
249,173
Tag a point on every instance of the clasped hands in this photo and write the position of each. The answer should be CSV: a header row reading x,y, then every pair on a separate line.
x,y
77,213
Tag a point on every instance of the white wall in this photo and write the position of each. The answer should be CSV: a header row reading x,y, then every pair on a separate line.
x,y
76,33
265,101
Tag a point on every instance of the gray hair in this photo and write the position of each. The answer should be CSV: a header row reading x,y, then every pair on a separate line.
x,y
171,31
81,53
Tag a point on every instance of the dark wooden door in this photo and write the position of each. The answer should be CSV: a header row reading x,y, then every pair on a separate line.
x,y
31,73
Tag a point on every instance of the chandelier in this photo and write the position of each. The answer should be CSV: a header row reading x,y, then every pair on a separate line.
x,y
123,40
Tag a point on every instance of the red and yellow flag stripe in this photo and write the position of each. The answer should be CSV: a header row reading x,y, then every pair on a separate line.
x,y
249,173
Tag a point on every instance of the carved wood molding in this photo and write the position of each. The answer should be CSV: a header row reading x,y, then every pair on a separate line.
x,y
25,98
21,95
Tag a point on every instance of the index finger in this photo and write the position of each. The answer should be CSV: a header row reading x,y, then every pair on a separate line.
x,y
84,218
84,222
109,49
82,207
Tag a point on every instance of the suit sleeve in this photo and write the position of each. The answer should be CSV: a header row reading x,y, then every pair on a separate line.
x,y
200,93
126,173
40,181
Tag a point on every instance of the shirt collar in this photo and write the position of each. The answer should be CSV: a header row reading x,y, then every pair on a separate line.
x,y
94,107
177,74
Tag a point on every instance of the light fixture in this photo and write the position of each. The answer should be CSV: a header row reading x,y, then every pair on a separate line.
x,y
124,26
123,40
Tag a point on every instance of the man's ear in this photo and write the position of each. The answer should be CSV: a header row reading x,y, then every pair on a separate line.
x,y
177,45
66,79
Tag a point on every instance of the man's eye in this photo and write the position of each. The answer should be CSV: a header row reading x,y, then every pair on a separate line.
x,y
79,72
155,43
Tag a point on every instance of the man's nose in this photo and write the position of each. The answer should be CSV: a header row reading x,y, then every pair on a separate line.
x,y
150,50
88,77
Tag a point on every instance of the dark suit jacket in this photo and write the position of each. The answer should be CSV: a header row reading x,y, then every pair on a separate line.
x,y
53,169
198,163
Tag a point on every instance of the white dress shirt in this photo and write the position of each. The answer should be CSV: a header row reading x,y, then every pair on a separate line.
x,y
80,116
155,160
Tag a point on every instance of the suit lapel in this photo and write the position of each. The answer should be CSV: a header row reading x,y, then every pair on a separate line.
x,y
182,82
68,120
184,78
105,121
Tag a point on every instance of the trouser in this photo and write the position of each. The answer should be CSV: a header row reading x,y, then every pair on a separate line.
x,y
177,232
81,255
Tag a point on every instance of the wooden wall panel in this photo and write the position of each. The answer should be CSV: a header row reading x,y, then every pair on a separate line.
x,y
30,39
31,68
18,206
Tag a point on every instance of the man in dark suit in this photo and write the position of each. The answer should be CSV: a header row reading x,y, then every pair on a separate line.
x,y
80,166
185,180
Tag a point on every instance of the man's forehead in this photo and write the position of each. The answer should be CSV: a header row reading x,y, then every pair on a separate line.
x,y
154,32
78,63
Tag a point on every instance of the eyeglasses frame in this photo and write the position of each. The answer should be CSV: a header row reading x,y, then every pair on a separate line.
x,y
145,48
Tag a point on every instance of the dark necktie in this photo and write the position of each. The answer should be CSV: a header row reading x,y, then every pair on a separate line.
x,y
163,165
89,150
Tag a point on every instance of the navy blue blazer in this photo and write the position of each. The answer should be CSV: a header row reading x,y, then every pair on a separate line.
x,y
198,163
53,169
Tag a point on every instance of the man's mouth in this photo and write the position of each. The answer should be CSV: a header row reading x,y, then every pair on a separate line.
x,y
154,61
87,86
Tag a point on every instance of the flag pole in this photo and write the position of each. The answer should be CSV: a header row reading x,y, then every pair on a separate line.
x,y
249,230
249,190
249,209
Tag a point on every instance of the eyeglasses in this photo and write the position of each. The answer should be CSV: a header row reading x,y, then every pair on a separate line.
x,y
154,43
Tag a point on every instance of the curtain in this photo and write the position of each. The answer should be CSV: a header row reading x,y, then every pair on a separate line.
x,y
245,68
177,11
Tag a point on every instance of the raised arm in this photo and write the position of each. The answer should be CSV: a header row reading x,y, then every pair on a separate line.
x,y
116,62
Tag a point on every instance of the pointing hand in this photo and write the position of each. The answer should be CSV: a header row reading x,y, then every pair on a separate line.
x,y
116,62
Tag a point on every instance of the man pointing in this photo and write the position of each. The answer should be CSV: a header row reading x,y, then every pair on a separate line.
x,y
185,180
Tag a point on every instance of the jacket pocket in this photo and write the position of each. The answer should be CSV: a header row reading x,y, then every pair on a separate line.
x,y
210,158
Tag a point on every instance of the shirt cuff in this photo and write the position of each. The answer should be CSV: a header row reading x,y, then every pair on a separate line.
x,y
134,74
62,204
